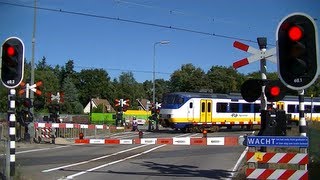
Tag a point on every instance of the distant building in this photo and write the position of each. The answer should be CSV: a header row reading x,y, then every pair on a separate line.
x,y
144,104
96,102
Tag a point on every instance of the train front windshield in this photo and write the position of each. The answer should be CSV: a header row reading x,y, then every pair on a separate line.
x,y
173,101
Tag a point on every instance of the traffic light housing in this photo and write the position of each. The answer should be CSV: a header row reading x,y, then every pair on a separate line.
x,y
27,103
297,51
12,62
252,88
274,90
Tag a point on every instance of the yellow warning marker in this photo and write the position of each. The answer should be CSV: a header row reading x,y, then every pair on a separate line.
x,y
258,156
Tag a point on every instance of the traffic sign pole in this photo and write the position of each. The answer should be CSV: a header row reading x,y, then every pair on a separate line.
x,y
262,41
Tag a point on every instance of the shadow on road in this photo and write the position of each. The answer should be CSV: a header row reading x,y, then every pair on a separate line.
x,y
167,170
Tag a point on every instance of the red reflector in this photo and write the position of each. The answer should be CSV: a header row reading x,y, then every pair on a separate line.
x,y
11,51
295,33
275,91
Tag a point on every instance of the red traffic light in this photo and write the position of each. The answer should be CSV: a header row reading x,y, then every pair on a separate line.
x,y
11,51
275,91
12,64
295,33
297,51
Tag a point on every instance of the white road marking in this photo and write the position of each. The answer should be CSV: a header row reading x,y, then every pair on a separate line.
x,y
114,162
236,166
95,159
121,160
42,149
102,157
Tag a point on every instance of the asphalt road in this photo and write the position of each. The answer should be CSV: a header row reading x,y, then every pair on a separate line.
x,y
137,161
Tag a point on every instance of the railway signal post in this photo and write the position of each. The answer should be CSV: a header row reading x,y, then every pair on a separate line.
x,y
263,54
12,68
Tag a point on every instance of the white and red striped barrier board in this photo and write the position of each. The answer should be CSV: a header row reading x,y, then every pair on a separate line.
x,y
277,174
271,157
71,125
222,141
288,158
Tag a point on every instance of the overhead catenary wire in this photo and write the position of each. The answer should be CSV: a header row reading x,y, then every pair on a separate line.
x,y
178,12
123,70
131,21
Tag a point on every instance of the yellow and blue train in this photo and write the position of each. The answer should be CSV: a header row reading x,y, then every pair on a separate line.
x,y
186,110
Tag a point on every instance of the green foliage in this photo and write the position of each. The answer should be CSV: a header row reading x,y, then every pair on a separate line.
x,y
188,78
93,83
80,87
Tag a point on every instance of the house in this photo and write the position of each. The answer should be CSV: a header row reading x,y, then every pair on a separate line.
x,y
96,102
144,104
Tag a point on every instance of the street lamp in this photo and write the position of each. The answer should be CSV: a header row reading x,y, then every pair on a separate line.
x,y
154,83
154,70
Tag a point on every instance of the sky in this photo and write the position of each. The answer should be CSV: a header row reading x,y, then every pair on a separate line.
x,y
122,35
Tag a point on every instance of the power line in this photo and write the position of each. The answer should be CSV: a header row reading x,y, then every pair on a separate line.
x,y
177,12
131,21
123,70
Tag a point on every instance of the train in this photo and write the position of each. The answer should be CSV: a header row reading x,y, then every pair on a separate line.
x,y
187,111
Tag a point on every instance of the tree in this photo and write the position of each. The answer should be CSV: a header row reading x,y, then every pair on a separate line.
x,y
187,79
224,80
50,85
71,96
93,83
42,64
128,87
162,87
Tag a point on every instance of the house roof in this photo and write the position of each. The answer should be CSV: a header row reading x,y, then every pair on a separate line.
x,y
105,102
98,101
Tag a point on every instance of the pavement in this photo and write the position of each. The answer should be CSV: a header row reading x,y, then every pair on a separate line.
x,y
58,141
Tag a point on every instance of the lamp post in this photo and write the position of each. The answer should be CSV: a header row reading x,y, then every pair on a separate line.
x,y
154,70
153,80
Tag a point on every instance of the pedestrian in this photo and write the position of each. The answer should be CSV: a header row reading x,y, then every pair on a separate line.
x,y
134,124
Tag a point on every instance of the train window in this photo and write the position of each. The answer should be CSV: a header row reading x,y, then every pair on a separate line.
x,y
269,106
222,107
256,108
316,109
234,107
203,107
307,109
178,100
191,105
168,99
291,108
209,106
246,108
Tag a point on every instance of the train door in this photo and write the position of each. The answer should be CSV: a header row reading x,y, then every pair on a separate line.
x,y
280,105
190,113
205,110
